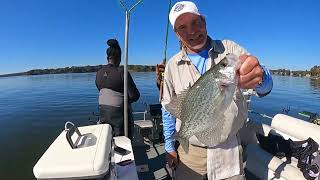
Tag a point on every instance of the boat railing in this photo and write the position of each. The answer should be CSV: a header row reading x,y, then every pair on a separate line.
x,y
141,112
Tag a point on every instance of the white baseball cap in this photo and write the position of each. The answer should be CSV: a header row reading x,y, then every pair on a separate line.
x,y
181,8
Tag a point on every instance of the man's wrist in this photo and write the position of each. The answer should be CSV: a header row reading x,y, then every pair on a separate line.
x,y
169,146
262,78
265,87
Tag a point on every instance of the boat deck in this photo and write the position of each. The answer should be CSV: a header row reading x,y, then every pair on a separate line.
x,y
151,164
150,160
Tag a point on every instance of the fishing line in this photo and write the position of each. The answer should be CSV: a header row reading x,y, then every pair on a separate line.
x,y
165,52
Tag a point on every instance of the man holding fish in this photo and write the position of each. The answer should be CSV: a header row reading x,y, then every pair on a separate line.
x,y
203,104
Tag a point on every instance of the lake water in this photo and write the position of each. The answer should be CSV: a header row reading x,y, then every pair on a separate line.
x,y
33,110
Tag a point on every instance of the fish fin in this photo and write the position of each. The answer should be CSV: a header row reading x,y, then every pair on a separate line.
x,y
184,142
175,105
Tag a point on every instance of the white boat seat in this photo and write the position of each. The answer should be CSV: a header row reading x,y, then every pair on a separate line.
x,y
144,123
262,164
151,121
267,166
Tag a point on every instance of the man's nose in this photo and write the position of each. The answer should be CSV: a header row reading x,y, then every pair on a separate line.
x,y
191,30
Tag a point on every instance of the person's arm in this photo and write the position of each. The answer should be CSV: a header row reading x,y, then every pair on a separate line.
x,y
169,122
265,87
169,129
98,80
133,92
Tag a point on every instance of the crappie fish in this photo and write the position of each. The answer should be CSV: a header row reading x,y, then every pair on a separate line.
x,y
201,108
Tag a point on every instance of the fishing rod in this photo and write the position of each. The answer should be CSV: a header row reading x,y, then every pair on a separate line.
x,y
165,53
263,115
125,81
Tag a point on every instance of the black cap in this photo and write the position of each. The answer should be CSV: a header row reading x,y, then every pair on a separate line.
x,y
114,50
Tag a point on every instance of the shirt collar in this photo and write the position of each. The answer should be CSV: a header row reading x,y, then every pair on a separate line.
x,y
215,48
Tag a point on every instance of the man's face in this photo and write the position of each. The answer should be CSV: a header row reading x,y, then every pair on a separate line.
x,y
191,30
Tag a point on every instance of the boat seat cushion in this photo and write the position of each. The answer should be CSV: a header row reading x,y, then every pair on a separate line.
x,y
144,123
266,166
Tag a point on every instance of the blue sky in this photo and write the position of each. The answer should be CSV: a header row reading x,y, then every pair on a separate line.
x,y
58,33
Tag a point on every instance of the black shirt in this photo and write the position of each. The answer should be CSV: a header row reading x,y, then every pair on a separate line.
x,y
111,77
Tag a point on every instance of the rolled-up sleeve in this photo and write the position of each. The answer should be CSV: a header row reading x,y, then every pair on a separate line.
x,y
266,86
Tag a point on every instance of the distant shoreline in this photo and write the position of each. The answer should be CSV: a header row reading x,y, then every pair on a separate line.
x,y
313,73
78,69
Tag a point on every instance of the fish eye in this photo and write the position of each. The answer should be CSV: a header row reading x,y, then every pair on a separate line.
x,y
224,62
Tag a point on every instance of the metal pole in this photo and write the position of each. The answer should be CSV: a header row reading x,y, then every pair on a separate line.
x,y
125,90
125,81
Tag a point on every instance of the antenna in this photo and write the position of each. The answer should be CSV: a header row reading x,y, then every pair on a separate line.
x,y
125,90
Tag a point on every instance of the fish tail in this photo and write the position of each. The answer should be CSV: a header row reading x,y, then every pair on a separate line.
x,y
184,142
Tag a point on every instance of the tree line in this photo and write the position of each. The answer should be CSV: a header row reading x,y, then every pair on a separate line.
x,y
313,72
79,69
